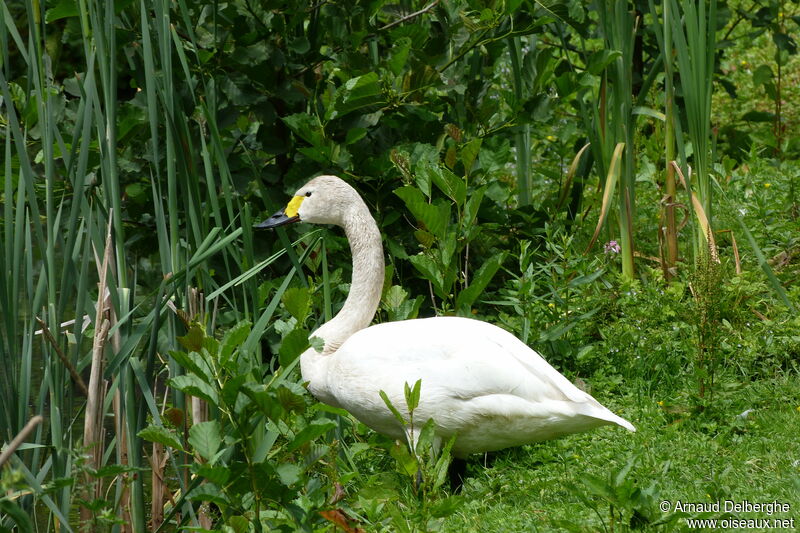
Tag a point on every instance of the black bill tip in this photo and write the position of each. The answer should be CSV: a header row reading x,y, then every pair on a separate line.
x,y
278,219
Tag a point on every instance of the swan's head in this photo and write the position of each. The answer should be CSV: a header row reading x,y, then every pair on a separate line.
x,y
323,200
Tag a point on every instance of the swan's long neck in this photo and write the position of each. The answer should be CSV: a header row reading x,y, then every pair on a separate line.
x,y
367,282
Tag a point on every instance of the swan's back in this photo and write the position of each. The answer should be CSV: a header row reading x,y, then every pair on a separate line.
x,y
478,381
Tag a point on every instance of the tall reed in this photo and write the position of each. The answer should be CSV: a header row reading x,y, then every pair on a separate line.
x,y
62,187
693,26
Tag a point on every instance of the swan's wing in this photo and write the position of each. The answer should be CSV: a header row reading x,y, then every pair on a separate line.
x,y
466,361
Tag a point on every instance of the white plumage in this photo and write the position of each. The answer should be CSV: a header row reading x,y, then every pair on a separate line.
x,y
478,380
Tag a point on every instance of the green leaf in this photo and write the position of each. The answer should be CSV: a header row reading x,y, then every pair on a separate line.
x,y
289,473
305,126
600,60
161,435
434,217
392,408
64,9
193,340
356,93
205,439
469,152
399,56
231,388
298,302
208,492
18,515
214,473
412,395
406,462
472,206
430,271
355,135
758,116
299,45
478,283
763,74
189,364
238,523
292,345
588,278
194,386
451,185
310,432
232,339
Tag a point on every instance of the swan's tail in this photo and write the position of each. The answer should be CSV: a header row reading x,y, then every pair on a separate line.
x,y
601,413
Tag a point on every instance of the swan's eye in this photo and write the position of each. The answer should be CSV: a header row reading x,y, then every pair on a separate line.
x,y
308,194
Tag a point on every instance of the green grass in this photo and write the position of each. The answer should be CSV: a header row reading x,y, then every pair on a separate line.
x,y
698,459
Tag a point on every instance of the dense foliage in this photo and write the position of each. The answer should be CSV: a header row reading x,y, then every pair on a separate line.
x,y
518,158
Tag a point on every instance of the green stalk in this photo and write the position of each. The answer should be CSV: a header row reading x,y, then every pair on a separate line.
x,y
616,122
695,44
671,233
522,137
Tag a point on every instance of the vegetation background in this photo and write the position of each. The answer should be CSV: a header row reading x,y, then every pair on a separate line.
x,y
518,156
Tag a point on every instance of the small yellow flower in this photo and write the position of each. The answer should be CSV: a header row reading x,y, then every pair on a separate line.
x,y
660,403
744,63
798,408
767,185
551,305
551,138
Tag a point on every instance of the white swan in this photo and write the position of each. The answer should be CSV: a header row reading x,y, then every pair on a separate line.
x,y
478,380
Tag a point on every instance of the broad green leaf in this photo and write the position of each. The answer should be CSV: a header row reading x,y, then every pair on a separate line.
x,y
193,340
310,432
298,302
399,55
601,59
426,438
205,439
238,524
304,126
189,364
214,473
758,116
208,492
20,517
447,182
392,408
232,339
355,134
292,345
63,9
763,74
161,435
194,386
430,271
478,283
472,206
469,152
289,473
406,462
356,93
434,217
412,395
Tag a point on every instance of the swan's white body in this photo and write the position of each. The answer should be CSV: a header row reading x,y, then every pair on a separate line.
x,y
478,380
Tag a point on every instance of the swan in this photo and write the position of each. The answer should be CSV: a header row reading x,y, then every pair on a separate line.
x,y
479,382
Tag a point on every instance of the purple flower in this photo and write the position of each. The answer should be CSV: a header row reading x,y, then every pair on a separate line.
x,y
611,247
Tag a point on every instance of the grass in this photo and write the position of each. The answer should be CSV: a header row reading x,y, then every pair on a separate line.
x,y
698,459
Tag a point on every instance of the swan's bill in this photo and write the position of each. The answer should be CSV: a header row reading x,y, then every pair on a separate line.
x,y
284,216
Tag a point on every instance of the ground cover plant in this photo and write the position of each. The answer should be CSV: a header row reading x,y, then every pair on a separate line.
x,y
614,182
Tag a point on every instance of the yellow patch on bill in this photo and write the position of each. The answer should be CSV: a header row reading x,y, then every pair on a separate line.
x,y
293,206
